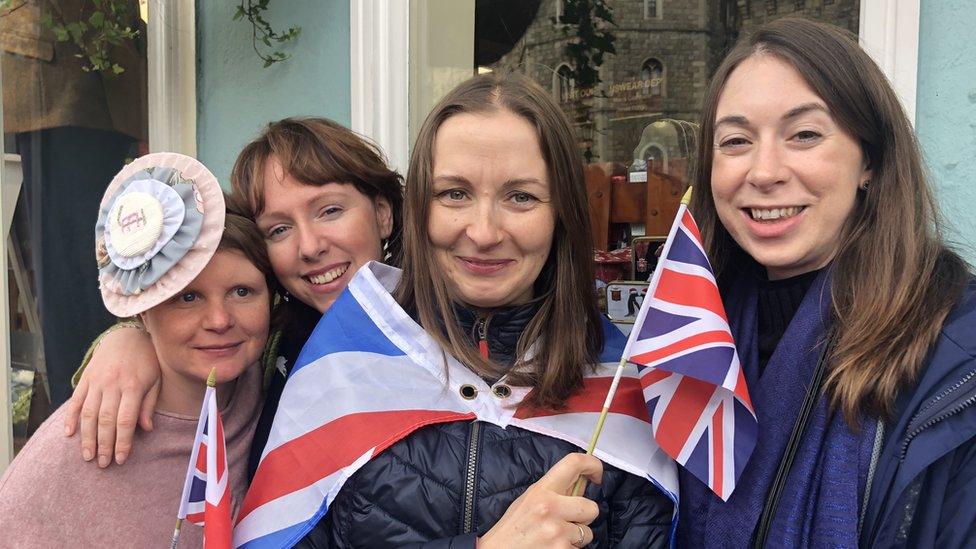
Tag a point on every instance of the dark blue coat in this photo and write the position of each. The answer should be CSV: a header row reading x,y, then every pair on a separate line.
x,y
924,489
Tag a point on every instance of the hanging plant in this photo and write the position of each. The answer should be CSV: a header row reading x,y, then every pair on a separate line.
x,y
264,38
107,25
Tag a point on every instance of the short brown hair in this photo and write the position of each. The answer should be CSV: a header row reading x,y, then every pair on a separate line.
x,y
567,326
317,151
243,235
892,269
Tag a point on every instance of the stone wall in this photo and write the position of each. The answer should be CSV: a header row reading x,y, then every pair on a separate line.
x,y
688,39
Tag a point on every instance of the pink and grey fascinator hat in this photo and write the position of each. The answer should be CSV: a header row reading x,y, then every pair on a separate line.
x,y
159,223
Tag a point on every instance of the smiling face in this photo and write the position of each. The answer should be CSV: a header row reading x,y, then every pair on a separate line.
x,y
319,236
784,174
220,320
490,222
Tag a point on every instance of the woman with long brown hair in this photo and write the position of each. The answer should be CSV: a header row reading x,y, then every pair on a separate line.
x,y
497,271
853,319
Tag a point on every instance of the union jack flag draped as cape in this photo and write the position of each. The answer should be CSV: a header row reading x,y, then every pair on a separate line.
x,y
693,382
206,495
369,376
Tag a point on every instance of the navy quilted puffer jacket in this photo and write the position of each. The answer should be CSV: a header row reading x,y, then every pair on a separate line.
x,y
446,484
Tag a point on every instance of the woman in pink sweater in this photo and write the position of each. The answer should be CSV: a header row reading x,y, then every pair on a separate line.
x,y
200,281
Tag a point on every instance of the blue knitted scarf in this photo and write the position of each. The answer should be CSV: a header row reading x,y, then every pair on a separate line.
x,y
820,504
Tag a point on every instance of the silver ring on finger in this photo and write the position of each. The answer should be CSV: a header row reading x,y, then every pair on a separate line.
x,y
579,542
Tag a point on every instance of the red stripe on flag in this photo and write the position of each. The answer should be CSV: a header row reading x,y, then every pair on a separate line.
x,y
653,376
217,530
629,400
689,223
689,290
716,336
202,457
317,454
718,457
682,413
742,391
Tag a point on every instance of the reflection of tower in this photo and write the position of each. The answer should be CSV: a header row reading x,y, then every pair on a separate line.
x,y
667,139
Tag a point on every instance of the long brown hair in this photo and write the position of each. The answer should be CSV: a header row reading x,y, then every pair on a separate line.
x,y
893,279
567,326
317,151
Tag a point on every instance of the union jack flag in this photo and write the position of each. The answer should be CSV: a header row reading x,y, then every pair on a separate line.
x,y
369,376
206,496
693,382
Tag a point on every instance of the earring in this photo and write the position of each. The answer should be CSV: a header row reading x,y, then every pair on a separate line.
x,y
864,185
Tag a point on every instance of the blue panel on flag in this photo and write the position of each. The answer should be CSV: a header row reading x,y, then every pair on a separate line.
x,y
746,431
280,538
698,460
710,364
685,250
345,327
651,406
614,342
198,489
658,322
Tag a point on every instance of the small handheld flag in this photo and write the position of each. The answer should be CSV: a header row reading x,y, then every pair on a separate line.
x,y
206,496
693,383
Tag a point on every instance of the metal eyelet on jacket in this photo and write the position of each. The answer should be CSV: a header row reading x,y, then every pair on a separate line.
x,y
502,391
468,391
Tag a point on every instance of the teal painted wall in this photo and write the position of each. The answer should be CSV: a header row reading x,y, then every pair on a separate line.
x,y
946,112
236,96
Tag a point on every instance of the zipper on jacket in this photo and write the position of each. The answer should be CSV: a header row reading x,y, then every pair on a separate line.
x,y
912,433
470,478
481,325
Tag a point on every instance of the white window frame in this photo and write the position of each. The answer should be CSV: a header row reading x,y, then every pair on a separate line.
x,y
172,81
171,58
379,57
889,33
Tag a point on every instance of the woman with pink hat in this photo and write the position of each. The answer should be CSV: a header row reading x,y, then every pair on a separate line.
x,y
200,281
326,204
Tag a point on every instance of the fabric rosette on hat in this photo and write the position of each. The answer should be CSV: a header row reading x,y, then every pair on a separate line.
x,y
159,223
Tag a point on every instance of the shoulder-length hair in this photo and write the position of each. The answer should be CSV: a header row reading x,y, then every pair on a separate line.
x,y
566,332
317,151
893,279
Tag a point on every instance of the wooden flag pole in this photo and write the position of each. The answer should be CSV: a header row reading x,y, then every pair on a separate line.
x,y
176,533
581,481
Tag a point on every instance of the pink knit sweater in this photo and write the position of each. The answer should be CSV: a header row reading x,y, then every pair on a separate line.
x,y
50,497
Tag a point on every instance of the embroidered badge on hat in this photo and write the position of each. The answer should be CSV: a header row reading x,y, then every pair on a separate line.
x,y
135,222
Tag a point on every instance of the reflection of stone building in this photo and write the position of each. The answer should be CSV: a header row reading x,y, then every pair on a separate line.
x,y
665,53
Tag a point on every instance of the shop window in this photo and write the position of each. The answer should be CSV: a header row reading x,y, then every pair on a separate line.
x,y
652,78
71,120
